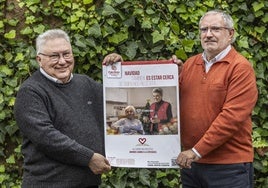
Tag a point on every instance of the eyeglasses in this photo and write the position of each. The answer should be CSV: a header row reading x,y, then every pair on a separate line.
x,y
213,29
56,57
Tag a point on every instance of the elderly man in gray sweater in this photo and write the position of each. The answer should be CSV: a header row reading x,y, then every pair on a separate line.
x,y
60,116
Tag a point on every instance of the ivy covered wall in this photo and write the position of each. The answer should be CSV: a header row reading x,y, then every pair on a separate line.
x,y
138,30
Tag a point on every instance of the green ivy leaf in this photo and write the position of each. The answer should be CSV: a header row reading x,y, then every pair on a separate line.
x,y
260,29
160,174
91,42
74,18
81,24
157,36
209,3
144,176
180,53
18,149
117,38
11,34
243,42
26,31
149,11
257,5
11,101
3,177
158,48
131,49
80,43
265,125
30,20
1,24
21,4
108,10
34,8
181,9
86,2
2,168
69,4
11,129
8,56
265,18
175,27
19,57
6,70
95,30
1,100
188,45
80,13
32,2
11,159
120,1
40,28
146,24
12,82
13,22
173,38
171,8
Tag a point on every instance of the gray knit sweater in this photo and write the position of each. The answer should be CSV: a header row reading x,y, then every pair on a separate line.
x,y
62,126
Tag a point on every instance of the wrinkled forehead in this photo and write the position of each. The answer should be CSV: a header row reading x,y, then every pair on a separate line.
x,y
56,45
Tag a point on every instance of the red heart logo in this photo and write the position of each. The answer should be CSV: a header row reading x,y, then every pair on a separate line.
x,y
142,140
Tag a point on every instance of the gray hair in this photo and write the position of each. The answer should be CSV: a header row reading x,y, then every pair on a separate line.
x,y
228,20
49,35
158,90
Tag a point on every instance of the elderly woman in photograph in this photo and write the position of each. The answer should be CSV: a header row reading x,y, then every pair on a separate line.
x,y
130,124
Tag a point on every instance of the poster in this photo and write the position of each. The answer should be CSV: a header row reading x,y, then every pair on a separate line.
x,y
151,137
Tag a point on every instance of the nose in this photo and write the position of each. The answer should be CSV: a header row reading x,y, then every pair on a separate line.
x,y
61,59
209,33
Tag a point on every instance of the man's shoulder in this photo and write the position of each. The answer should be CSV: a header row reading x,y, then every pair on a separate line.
x,y
195,57
166,103
236,59
33,79
83,77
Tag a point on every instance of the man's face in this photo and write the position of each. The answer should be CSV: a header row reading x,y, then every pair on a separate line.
x,y
157,97
214,34
56,59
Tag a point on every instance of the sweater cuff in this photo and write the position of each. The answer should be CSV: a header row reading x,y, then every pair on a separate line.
x,y
196,152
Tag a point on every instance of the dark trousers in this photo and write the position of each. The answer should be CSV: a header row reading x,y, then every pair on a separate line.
x,y
218,176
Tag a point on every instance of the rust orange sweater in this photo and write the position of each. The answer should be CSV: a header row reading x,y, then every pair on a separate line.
x,y
216,108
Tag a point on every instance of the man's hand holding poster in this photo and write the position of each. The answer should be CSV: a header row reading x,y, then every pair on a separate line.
x,y
141,108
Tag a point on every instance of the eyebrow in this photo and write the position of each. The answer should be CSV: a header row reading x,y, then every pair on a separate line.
x,y
65,51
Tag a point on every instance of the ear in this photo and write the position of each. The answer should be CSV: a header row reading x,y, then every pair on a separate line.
x,y
232,32
38,59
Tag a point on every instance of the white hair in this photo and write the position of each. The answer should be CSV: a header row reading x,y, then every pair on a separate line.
x,y
49,35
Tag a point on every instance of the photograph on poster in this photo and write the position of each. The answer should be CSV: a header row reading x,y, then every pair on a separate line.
x,y
141,111
141,114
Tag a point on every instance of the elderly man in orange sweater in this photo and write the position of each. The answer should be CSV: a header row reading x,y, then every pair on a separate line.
x,y
217,95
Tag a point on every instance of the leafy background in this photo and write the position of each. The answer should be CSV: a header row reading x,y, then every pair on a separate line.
x,y
138,30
